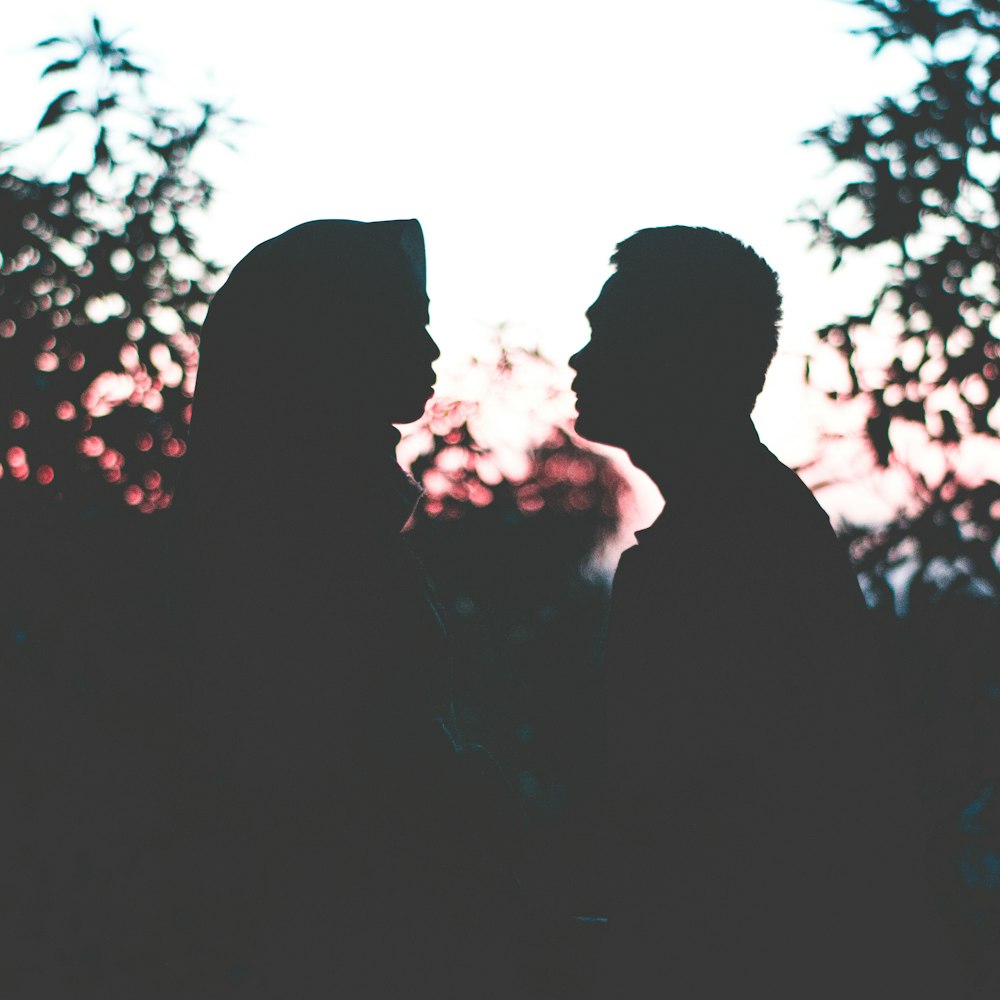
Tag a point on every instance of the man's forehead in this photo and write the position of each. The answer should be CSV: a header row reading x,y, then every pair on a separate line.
x,y
610,296
626,296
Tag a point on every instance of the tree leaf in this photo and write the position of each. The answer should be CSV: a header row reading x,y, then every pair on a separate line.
x,y
61,66
950,434
56,109
129,67
102,155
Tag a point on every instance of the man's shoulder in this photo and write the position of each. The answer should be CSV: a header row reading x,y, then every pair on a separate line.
x,y
761,527
773,483
760,501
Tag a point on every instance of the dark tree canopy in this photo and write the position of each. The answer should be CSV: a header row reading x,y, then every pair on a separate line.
x,y
920,177
102,288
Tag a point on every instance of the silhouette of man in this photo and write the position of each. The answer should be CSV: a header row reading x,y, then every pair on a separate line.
x,y
762,842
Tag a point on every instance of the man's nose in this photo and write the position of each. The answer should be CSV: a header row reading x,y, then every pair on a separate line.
x,y
577,359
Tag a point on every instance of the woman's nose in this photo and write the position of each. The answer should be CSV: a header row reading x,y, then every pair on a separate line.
x,y
433,351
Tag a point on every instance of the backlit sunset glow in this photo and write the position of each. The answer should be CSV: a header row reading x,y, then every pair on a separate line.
x,y
467,706
506,418
108,322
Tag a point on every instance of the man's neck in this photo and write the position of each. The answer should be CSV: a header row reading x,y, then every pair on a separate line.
x,y
707,455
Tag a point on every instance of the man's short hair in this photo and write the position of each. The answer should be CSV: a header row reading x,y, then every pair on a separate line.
x,y
717,295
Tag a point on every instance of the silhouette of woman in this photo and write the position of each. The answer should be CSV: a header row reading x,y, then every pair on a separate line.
x,y
330,846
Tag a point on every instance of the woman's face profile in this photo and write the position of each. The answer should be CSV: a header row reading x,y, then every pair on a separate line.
x,y
398,375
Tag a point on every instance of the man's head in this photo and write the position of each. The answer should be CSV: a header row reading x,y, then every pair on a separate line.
x,y
682,336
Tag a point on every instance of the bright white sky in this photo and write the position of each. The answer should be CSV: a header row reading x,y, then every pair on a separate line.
x,y
527,137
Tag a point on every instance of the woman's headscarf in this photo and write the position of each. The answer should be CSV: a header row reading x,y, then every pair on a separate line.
x,y
288,352
284,449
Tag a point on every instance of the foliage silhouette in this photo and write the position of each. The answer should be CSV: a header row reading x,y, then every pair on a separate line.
x,y
512,553
102,287
920,182
920,177
101,292
517,545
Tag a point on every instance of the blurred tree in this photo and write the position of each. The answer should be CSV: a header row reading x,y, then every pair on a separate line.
x,y
525,610
516,532
922,369
101,293
920,182
102,288
514,543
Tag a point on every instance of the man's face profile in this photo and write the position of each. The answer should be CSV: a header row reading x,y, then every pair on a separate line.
x,y
618,372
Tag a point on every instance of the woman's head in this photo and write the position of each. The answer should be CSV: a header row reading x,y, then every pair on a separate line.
x,y
311,351
329,316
